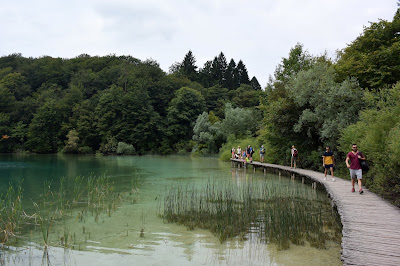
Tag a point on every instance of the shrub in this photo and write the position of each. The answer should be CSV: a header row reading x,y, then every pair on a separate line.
x,y
125,148
71,144
109,146
85,150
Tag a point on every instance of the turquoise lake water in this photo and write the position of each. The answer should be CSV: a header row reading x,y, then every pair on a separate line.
x,y
135,234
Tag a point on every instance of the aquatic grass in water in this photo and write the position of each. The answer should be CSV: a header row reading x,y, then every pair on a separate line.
x,y
94,195
11,214
279,213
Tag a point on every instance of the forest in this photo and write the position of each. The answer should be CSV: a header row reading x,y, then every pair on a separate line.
x,y
122,105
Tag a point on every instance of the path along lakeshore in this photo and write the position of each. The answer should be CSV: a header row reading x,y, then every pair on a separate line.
x,y
371,225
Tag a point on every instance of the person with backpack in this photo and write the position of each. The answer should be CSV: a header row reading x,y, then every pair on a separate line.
x,y
295,154
353,163
262,153
251,153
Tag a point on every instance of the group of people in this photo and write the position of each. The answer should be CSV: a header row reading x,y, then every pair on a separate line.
x,y
247,154
328,161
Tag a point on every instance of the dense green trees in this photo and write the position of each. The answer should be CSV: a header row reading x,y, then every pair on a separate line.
x,y
210,134
374,57
183,111
88,104
207,134
327,107
313,101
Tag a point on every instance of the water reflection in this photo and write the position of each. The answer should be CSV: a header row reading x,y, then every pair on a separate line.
x,y
116,239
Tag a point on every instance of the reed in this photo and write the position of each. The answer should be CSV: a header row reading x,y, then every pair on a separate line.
x,y
101,196
78,190
47,211
11,214
278,213
94,195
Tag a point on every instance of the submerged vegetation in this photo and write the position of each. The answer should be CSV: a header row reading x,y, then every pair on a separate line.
x,y
92,196
11,214
277,213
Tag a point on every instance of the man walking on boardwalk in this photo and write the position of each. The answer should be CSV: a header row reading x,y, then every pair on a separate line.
x,y
328,162
355,168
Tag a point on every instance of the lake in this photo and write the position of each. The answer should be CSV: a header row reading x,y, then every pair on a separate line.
x,y
124,225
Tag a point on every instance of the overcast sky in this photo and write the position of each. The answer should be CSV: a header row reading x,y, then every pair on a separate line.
x,y
259,33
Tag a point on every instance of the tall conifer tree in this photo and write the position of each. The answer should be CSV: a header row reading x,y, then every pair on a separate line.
x,y
242,73
188,66
231,77
206,74
255,84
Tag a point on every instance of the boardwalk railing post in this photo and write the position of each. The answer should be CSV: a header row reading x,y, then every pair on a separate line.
x,y
314,185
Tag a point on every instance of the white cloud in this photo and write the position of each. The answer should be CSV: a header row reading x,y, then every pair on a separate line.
x,y
258,32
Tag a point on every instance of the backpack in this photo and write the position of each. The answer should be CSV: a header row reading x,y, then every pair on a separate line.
x,y
363,163
295,153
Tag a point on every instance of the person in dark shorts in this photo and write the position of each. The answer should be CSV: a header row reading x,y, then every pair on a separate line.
x,y
328,161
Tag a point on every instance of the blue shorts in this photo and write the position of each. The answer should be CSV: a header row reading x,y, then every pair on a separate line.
x,y
327,166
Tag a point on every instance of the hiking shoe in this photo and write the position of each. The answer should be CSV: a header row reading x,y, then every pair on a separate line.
x,y
325,178
361,191
333,179
353,190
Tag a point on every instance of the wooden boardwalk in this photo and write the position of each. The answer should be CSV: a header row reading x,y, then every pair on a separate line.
x,y
371,225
